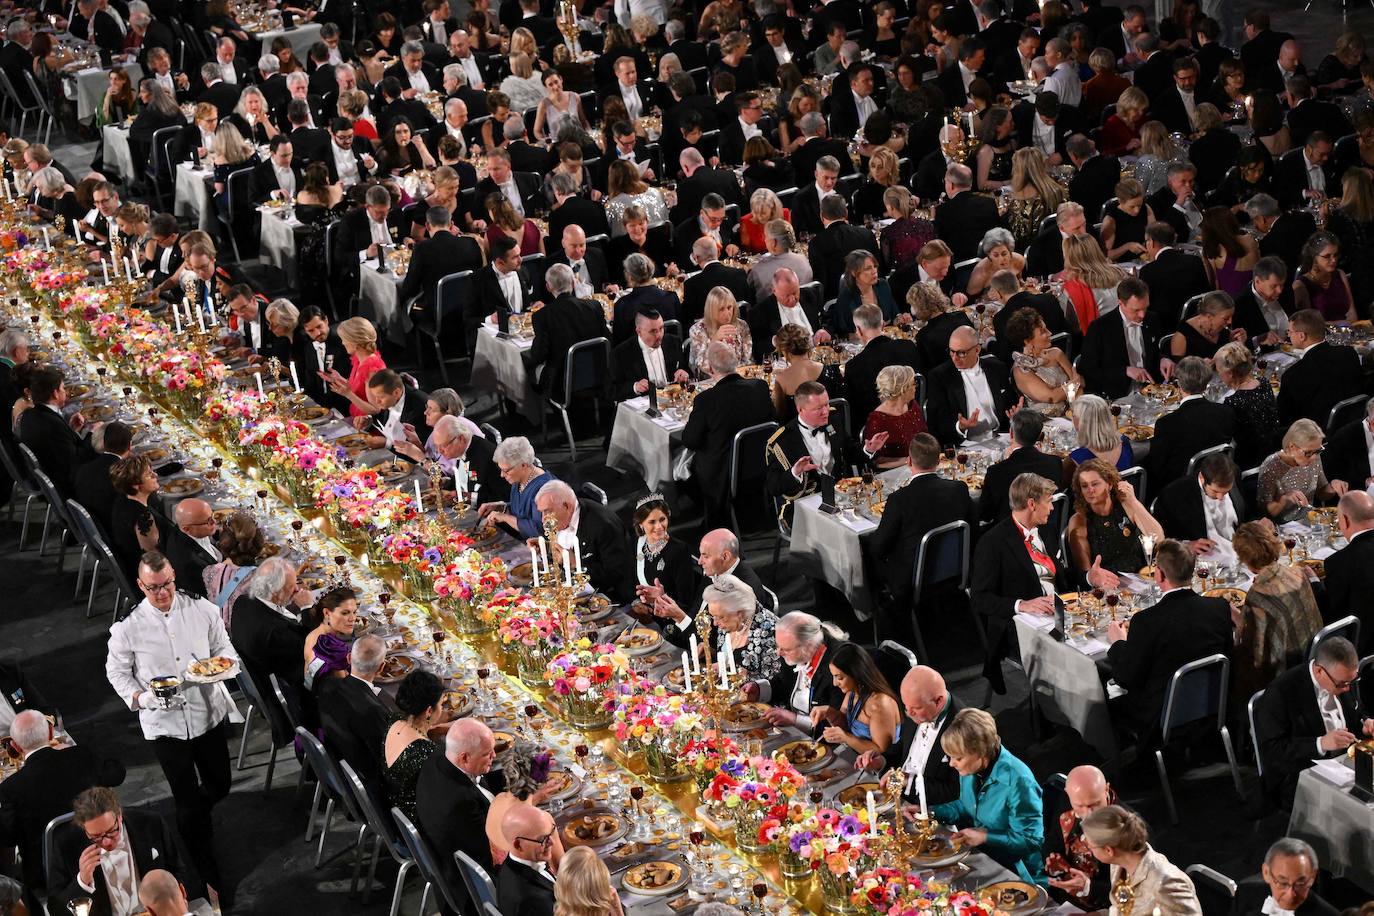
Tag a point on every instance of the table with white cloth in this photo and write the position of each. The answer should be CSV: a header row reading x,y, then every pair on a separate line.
x,y
301,38
1065,683
118,157
643,443
1339,826
499,365
379,297
195,196
91,84
277,239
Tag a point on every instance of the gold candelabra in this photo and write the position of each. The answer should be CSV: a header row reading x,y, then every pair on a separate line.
x,y
715,697
556,592
567,23
905,844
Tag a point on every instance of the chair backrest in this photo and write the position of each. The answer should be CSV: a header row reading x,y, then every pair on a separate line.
x,y
840,408
1136,477
942,557
587,367
1215,892
478,882
1254,735
384,827
1349,627
1197,691
239,191
451,293
1190,307
272,709
84,527
424,858
162,139
672,328
592,491
1226,448
327,771
39,96
490,909
49,490
14,465
493,433
1343,412
891,665
1063,341
49,832
891,645
747,454
30,460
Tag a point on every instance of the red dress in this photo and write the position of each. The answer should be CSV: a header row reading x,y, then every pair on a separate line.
x,y
751,237
900,430
529,237
1116,136
357,379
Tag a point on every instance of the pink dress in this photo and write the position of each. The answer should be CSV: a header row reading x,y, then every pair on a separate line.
x,y
357,379
900,430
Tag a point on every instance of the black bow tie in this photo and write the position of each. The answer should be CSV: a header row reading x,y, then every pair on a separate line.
x,y
816,431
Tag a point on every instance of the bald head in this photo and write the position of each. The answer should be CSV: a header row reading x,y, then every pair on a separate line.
x,y
574,243
30,730
924,694
162,895
963,336
195,518
528,832
719,550
470,747
1355,512
1087,789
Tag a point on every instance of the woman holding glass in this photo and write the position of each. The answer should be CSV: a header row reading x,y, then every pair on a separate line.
x,y
1108,520
1292,479
720,324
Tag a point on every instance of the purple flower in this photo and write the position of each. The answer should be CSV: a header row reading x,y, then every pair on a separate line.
x,y
850,826
539,767
799,840
433,555
733,767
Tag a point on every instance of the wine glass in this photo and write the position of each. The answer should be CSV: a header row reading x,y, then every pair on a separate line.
x,y
697,836
484,704
1113,599
1204,572
297,526
1289,543
580,751
531,710
760,892
816,796
640,828
262,505
962,460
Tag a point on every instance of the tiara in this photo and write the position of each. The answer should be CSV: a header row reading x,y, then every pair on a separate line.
x,y
651,498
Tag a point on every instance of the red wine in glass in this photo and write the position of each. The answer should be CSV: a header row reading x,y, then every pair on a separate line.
x,y
816,796
1098,594
949,454
581,751
697,836
1116,410
531,710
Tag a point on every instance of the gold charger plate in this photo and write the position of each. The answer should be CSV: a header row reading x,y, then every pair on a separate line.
x,y
1317,566
502,741
520,574
1015,898
396,667
1138,432
849,484
806,755
460,704
944,848
394,470
639,640
312,414
596,828
100,413
78,390
857,796
183,486
224,513
562,785
1234,595
878,508
656,878
352,441
592,607
744,715
154,453
1165,394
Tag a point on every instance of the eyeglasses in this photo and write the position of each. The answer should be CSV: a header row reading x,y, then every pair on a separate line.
x,y
1299,885
1313,452
962,353
1339,685
541,842
154,587
107,835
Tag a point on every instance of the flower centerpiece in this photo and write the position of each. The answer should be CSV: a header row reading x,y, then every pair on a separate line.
x,y
464,579
887,891
533,632
584,679
702,758
659,724
752,790
838,844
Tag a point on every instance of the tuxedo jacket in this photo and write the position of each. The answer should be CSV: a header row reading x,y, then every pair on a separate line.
x,y
60,450
922,505
861,372
42,790
189,561
941,779
483,471
823,690
1287,236
691,190
526,184
560,324
434,258
92,488
1314,114
355,235
412,413
1291,178
1252,892
488,296
963,220
765,320
1314,384
1162,205
1350,586
995,503
267,642
451,814
1174,277
686,233
1104,359
828,249
1181,627
522,891
787,446
361,147
946,399
1069,122
578,211
1094,184
733,403
354,720
698,286
224,96
1250,316
308,366
152,845
628,366
1178,509
806,208
1287,726
1346,456
265,179
1047,306
1182,433
594,262
605,549
804,158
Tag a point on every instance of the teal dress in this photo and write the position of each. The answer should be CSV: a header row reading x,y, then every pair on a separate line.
x,y
522,506
1006,803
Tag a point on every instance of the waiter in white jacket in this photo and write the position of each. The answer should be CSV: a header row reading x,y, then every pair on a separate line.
x,y
164,634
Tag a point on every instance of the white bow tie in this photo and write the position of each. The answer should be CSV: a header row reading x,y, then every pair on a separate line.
x,y
1271,908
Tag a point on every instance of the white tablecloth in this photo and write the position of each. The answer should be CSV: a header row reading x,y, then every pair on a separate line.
x,y
1339,826
91,85
301,38
380,293
118,159
1066,686
277,241
195,196
643,444
498,365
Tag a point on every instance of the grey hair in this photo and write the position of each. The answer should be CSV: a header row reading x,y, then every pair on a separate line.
x,y
376,195
514,128
1283,846
733,595
1262,205
454,427
297,79
1179,167
50,179
412,47
1193,374
465,737
721,358
269,63
1336,650
704,250
995,237
559,279
557,489
11,340
1040,67
449,401
210,71
139,17
226,40
673,30
1092,418
827,164
368,654
807,628
17,29
455,72
563,183
1059,46
959,176
849,52
779,230
514,450
283,310
270,578
639,268
30,730
813,125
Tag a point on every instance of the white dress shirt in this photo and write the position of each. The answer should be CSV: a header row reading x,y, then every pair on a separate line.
x,y
797,315
1065,83
978,396
472,71
750,131
208,545
1045,574
437,32
319,349
653,362
378,231
633,106
512,192
167,82
1316,178
967,75
345,164
1369,448
457,134
228,74
286,180
582,279
539,868
255,334
782,53
510,287
1190,106
121,877
1271,908
1273,313
800,701
1044,136
865,106
1329,705
919,756
1220,515
1135,343
149,644
817,446
392,427
418,80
